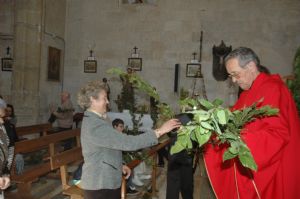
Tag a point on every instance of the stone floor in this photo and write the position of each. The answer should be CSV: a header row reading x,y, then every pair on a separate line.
x,y
47,188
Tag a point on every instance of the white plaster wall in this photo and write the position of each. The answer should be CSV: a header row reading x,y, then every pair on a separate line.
x,y
168,33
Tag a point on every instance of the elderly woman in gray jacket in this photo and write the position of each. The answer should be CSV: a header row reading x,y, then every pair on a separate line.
x,y
102,145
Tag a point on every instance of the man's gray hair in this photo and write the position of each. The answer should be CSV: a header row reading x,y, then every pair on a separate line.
x,y
244,56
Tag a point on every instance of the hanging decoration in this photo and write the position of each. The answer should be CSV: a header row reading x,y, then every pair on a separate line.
x,y
219,54
198,86
90,64
134,62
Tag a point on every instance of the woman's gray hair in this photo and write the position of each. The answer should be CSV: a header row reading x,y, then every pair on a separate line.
x,y
3,104
91,89
244,56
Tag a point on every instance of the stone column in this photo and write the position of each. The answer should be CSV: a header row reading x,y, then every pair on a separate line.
x,y
27,50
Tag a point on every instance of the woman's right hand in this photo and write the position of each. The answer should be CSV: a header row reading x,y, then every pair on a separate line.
x,y
167,127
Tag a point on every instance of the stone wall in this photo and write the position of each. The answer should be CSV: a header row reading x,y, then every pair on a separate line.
x,y
6,40
33,26
166,33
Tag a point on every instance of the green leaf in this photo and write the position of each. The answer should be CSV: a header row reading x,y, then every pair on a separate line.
x,y
230,136
228,155
176,148
206,125
216,125
217,102
234,150
193,136
222,117
203,138
189,101
189,143
200,115
206,104
246,158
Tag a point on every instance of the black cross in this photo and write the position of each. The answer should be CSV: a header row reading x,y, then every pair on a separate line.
x,y
135,48
194,54
91,53
7,50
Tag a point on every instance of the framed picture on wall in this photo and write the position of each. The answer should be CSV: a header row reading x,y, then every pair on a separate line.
x,y
90,66
53,64
135,63
7,64
193,70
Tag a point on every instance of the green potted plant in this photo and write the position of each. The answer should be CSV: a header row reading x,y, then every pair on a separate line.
x,y
294,83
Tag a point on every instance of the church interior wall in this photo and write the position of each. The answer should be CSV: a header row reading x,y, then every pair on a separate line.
x,y
166,33
6,40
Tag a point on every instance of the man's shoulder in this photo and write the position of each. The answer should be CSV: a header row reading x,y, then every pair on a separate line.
x,y
272,81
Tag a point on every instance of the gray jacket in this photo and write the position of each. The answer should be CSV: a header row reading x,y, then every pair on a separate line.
x,y
102,148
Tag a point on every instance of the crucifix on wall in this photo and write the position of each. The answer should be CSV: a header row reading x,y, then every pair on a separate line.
x,y
134,62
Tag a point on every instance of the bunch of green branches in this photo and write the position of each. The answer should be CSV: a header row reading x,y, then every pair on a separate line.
x,y
210,119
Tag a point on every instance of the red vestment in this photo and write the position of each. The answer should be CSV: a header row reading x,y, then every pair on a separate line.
x,y
273,143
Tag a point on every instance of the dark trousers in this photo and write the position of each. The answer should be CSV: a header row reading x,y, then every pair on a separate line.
x,y
162,153
102,194
180,180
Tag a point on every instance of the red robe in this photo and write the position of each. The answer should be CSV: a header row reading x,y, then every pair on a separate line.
x,y
273,143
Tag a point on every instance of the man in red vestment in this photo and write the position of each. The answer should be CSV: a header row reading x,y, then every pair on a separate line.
x,y
272,140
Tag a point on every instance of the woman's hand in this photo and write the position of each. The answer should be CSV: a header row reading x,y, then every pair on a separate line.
x,y
167,127
126,170
4,182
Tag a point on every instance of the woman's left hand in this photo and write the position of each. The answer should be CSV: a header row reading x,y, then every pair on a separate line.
x,y
4,182
126,170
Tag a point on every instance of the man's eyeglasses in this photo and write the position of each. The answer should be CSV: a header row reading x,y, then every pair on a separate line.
x,y
235,75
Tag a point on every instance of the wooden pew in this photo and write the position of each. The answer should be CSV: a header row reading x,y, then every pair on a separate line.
x,y
33,130
55,160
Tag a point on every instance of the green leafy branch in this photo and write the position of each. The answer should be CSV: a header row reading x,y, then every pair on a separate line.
x,y
164,109
211,119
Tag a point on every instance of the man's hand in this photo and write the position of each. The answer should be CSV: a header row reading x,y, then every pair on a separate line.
x,y
126,170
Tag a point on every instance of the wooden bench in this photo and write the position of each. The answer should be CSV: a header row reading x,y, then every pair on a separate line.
x,y
55,160
34,131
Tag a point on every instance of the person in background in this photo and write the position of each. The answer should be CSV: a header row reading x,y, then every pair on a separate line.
x,y
6,154
10,115
104,80
64,113
180,179
64,116
10,122
118,124
273,141
102,145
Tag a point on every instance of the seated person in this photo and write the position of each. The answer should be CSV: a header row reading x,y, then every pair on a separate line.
x,y
64,116
10,122
10,115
